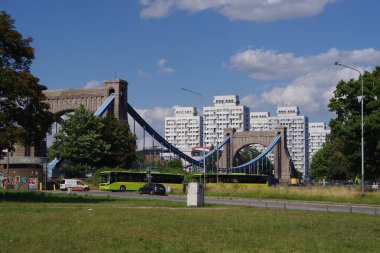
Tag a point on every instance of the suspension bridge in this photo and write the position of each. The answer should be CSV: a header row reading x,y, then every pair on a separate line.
x,y
112,99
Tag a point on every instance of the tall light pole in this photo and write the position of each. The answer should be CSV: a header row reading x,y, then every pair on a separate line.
x,y
203,139
8,177
362,118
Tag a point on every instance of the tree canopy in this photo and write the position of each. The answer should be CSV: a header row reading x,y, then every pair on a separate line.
x,y
86,143
24,116
329,163
346,127
123,143
174,163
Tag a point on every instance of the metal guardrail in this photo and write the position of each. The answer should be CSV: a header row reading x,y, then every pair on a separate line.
x,y
316,207
299,205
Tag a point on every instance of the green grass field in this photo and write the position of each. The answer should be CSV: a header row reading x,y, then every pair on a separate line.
x,y
69,223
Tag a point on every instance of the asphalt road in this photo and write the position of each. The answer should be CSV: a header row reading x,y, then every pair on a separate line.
x,y
261,203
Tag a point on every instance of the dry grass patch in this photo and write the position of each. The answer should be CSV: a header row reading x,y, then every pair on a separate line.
x,y
313,193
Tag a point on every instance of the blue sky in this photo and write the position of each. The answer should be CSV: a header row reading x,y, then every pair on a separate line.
x,y
269,52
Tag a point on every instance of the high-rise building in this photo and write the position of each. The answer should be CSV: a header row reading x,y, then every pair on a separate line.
x,y
317,137
259,121
184,130
296,130
226,113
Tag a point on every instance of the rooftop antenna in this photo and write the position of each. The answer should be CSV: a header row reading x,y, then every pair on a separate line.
x,y
115,75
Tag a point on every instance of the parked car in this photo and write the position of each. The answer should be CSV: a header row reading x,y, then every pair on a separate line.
x,y
73,184
153,188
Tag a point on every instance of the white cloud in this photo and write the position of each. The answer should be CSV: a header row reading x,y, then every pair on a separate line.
x,y
93,84
367,56
143,74
271,65
310,92
162,68
252,101
155,9
311,79
253,10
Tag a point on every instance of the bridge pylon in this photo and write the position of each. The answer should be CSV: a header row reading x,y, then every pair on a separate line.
x,y
29,161
283,166
62,101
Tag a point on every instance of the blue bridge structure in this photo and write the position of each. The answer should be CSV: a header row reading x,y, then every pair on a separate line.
x,y
112,99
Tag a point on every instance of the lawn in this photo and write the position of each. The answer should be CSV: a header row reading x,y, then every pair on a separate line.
x,y
113,225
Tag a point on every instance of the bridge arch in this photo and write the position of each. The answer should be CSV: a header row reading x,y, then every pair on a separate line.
x,y
282,162
236,155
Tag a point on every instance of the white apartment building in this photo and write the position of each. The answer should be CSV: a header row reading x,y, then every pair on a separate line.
x,y
259,121
296,131
184,130
226,113
317,137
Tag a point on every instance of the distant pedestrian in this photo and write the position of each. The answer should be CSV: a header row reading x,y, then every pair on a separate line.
x,y
5,183
184,187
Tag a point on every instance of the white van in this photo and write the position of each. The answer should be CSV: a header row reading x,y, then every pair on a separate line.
x,y
73,184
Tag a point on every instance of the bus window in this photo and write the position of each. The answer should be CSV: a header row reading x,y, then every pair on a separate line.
x,y
104,178
113,178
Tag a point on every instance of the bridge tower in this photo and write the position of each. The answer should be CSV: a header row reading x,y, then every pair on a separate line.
x,y
283,168
62,101
30,162
120,89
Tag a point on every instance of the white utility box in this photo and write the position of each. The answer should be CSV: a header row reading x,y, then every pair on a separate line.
x,y
195,195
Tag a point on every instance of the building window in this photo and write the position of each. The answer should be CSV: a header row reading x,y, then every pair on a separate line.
x,y
27,151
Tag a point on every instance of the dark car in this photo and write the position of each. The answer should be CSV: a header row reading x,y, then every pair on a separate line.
x,y
153,188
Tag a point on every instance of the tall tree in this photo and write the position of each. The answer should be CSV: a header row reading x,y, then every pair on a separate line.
x,y
330,163
122,143
85,143
24,117
346,127
79,143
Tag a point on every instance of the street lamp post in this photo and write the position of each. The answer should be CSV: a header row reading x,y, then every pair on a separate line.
x,y
362,119
203,140
8,177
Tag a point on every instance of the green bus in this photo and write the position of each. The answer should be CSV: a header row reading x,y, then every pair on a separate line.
x,y
126,180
